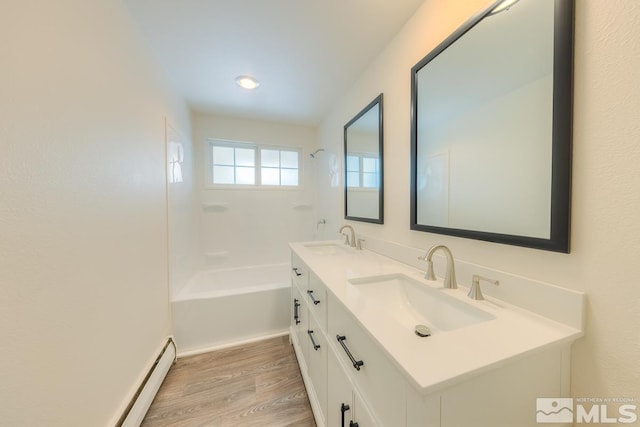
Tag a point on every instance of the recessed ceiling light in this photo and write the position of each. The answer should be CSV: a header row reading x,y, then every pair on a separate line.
x,y
247,82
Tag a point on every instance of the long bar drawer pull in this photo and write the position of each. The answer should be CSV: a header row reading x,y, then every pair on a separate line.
x,y
296,304
315,301
315,346
356,363
343,408
295,270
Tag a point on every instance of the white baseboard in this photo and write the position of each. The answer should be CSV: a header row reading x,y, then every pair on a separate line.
x,y
153,374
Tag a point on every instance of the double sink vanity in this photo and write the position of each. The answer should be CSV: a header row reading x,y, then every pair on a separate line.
x,y
380,345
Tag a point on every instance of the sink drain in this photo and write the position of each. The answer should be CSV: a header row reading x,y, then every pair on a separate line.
x,y
422,331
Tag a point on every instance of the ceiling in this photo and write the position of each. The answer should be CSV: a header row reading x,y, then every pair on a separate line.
x,y
305,53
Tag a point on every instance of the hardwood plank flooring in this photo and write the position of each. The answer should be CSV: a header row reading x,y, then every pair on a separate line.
x,y
253,385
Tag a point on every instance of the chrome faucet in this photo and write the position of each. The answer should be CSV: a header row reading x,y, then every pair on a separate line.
x,y
348,241
450,274
475,292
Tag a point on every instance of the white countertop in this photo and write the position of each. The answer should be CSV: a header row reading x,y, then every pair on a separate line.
x,y
445,358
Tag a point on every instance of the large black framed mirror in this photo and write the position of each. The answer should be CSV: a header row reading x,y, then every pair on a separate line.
x,y
491,122
363,165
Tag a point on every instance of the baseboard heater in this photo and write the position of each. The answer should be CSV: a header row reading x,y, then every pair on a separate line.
x,y
139,405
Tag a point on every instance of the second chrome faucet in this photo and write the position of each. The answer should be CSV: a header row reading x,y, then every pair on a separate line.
x,y
450,273
348,241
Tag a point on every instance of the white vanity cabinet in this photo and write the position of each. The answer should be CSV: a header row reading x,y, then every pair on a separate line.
x,y
355,378
308,325
334,381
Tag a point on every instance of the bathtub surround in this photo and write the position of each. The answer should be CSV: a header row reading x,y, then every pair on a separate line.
x,y
606,184
244,227
183,210
240,292
83,253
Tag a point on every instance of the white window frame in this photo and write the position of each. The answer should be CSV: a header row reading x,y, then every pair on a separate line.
x,y
208,166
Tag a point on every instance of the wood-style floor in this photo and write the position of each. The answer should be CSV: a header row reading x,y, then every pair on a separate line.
x,y
257,384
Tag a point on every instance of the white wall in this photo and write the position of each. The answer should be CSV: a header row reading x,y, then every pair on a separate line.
x,y
83,225
256,225
605,245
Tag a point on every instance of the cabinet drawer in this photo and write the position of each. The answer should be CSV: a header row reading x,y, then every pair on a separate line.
x,y
374,375
317,363
299,273
317,300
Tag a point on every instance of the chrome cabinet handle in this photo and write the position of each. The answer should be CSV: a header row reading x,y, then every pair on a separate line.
x,y
295,270
315,301
356,363
296,304
315,346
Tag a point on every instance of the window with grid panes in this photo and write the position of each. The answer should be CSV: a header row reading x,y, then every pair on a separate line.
x,y
237,163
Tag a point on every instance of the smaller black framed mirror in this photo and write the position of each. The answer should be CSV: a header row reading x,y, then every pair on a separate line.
x,y
363,165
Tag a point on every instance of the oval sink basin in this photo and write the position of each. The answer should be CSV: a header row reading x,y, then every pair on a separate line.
x,y
410,302
328,249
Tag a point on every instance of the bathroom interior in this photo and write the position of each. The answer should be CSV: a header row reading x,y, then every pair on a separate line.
x,y
136,231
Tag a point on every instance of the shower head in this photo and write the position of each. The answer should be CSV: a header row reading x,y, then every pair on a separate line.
x,y
313,155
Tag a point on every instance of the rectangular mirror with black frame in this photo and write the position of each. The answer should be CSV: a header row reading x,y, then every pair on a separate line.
x,y
363,165
491,110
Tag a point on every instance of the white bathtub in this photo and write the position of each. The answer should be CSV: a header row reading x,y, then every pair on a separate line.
x,y
218,308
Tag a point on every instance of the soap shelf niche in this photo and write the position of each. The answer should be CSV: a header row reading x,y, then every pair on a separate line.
x,y
215,206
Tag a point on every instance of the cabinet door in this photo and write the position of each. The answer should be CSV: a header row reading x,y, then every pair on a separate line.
x,y
339,394
343,399
317,363
377,379
296,308
299,325
361,415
